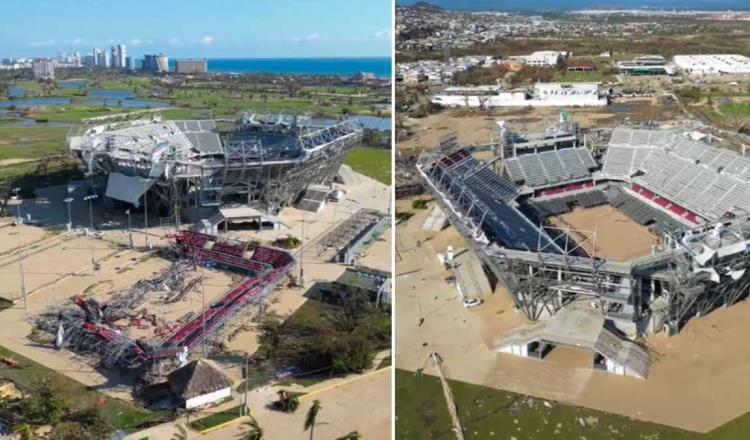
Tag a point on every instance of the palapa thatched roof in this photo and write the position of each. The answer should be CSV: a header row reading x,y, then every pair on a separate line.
x,y
197,378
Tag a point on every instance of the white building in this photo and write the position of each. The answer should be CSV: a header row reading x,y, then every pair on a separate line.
x,y
119,56
541,95
700,65
543,58
156,63
200,383
122,56
439,71
43,69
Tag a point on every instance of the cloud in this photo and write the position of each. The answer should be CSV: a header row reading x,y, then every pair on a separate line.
x,y
78,41
136,42
307,38
207,40
45,43
175,42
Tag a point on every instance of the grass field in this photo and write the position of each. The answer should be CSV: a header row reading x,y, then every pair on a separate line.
x,y
25,142
487,413
215,419
736,108
208,99
115,412
372,162
585,77
74,113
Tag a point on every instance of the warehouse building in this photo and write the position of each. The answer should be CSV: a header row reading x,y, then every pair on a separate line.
x,y
702,65
541,95
650,65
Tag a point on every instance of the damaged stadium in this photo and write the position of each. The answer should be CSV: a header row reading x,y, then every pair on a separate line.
x,y
691,196
188,169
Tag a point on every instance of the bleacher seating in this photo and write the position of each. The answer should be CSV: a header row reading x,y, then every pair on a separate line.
x,y
190,238
551,167
688,173
562,205
267,266
262,259
273,257
228,249
486,197
642,213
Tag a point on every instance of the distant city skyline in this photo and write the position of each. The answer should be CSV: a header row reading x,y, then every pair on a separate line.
x,y
219,29
479,5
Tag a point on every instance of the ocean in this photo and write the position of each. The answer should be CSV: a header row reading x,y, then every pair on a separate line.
x,y
380,66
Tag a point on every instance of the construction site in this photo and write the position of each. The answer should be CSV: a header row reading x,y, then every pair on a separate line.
x,y
146,265
611,245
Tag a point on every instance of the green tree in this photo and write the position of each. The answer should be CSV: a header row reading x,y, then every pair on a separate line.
x,y
92,423
181,433
354,435
287,403
42,405
312,414
253,432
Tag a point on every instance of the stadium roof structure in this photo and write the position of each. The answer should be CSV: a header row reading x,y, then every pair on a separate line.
x,y
195,166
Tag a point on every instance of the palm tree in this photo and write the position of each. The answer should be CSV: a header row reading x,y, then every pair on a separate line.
x,y
181,433
254,431
354,435
24,431
312,414
287,403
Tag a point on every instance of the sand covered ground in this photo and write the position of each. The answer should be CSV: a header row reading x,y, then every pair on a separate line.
x,y
54,276
367,193
57,267
474,127
606,228
697,378
356,403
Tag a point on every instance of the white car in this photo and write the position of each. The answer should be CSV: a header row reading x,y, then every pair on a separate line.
x,y
469,303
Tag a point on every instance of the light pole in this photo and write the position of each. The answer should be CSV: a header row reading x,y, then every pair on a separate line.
x,y
203,318
130,233
90,199
68,201
301,253
20,267
19,220
145,216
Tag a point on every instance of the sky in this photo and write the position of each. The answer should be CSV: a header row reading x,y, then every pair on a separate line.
x,y
198,28
578,4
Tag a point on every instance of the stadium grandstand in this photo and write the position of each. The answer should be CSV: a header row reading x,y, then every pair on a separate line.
x,y
691,197
189,169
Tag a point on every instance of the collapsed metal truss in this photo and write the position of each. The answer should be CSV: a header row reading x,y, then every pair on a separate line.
x,y
90,329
